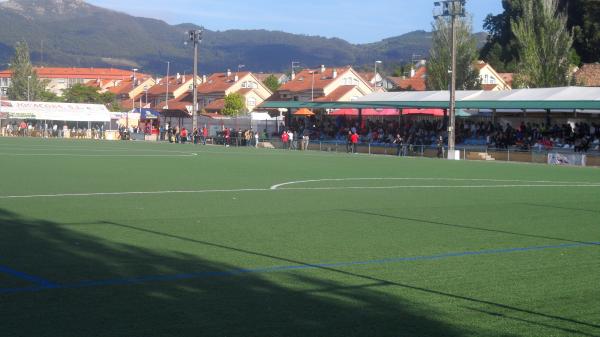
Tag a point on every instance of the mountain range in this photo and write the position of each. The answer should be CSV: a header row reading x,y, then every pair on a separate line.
x,y
75,33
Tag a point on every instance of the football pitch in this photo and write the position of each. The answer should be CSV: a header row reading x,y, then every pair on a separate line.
x,y
144,239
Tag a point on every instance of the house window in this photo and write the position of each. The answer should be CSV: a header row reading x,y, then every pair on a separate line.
x,y
492,80
485,79
251,102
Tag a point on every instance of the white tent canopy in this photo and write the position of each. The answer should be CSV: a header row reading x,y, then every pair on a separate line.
x,y
55,111
576,99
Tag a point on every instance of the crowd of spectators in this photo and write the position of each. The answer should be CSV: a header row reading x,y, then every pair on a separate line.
x,y
426,132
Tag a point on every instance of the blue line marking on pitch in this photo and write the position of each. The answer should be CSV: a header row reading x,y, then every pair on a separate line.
x,y
45,285
30,278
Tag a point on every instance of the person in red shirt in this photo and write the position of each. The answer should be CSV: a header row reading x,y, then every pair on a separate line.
x,y
227,136
204,135
354,140
183,135
284,139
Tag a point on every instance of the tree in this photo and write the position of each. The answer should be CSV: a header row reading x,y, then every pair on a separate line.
x,y
80,93
24,82
500,50
544,44
438,76
234,104
272,83
583,19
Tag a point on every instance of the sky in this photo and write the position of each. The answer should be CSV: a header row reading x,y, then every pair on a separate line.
x,y
352,20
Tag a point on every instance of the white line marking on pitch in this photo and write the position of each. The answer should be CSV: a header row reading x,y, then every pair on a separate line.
x,y
555,183
95,155
290,189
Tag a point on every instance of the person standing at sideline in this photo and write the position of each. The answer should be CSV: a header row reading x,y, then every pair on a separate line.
x,y
291,140
285,137
195,136
227,136
204,135
183,135
440,147
354,140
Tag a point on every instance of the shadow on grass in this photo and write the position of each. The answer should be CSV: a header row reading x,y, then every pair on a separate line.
x,y
541,317
438,223
216,303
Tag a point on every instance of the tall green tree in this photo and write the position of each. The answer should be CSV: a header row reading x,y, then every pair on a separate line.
x,y
438,76
584,20
234,104
272,83
24,82
544,44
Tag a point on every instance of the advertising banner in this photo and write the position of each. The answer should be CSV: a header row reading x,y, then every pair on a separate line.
x,y
574,159
55,111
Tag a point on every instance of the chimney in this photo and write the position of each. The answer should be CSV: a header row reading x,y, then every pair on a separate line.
x,y
293,75
203,78
334,73
412,72
236,78
178,76
183,79
228,73
323,68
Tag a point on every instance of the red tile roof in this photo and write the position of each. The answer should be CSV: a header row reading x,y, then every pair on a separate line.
x,y
220,82
589,75
161,88
507,77
415,83
337,94
216,105
304,80
80,73
262,77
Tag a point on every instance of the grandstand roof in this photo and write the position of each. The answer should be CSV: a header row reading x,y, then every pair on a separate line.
x,y
565,98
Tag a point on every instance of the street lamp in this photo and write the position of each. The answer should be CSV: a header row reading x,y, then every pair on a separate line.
x,y
312,86
28,95
375,74
195,36
452,9
132,96
146,93
167,92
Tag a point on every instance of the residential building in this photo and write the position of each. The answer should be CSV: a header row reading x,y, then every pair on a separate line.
x,y
490,79
214,89
416,81
588,75
171,88
281,77
325,84
60,79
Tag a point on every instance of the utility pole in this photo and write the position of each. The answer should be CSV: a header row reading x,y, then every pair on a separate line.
x,y
195,36
167,91
452,9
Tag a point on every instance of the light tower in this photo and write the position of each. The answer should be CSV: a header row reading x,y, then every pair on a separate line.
x,y
451,9
195,36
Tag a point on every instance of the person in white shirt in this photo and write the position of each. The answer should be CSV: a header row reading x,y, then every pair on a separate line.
x,y
291,139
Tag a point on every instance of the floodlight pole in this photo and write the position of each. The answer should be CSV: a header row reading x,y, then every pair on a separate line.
x,y
452,9
195,37
452,128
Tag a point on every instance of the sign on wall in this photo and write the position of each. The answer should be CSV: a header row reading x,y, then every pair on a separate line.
x,y
55,111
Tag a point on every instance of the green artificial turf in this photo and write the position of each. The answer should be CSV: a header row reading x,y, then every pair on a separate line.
x,y
109,243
